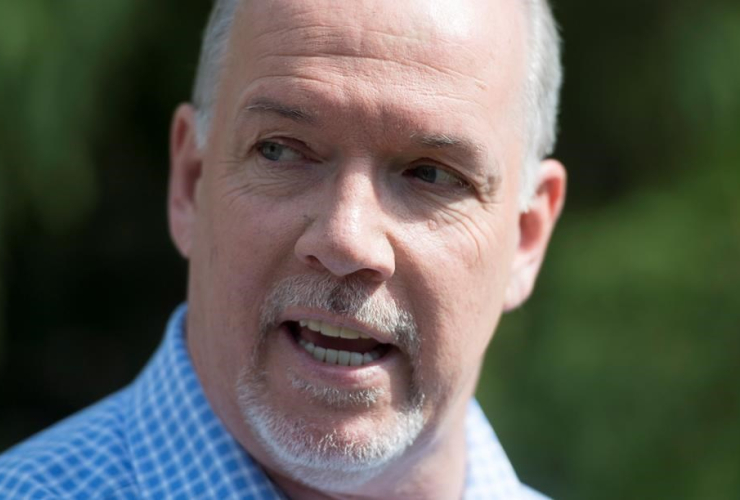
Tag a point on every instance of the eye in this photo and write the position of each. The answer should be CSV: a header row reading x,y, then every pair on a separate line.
x,y
436,175
275,151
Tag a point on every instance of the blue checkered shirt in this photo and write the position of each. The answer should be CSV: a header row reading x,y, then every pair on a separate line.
x,y
159,439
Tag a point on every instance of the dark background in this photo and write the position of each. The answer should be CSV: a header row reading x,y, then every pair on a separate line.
x,y
619,379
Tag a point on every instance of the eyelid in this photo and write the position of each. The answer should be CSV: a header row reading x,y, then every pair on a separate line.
x,y
296,145
466,183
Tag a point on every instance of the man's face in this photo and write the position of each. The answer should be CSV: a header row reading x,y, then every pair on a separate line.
x,y
362,171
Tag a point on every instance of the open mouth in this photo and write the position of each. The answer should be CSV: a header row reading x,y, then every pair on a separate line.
x,y
336,346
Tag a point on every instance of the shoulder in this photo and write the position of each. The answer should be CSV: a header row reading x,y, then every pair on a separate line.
x,y
85,455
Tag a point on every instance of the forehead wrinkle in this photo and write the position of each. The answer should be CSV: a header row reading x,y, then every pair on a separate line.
x,y
422,21
338,42
312,43
368,29
335,58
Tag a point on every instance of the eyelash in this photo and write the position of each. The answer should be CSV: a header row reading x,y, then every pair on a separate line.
x,y
258,148
457,182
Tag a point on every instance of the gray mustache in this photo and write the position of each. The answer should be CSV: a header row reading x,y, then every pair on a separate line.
x,y
349,297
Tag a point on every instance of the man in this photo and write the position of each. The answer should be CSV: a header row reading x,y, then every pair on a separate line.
x,y
360,192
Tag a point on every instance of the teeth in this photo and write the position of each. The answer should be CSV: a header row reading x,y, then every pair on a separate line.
x,y
332,355
355,359
319,353
342,358
347,333
331,330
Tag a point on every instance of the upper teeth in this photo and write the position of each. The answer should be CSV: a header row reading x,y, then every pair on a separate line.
x,y
331,330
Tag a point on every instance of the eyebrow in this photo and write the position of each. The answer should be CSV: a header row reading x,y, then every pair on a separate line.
x,y
459,147
269,106
301,115
443,141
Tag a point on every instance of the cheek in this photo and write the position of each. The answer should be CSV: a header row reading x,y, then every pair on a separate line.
x,y
244,245
250,236
466,260
460,273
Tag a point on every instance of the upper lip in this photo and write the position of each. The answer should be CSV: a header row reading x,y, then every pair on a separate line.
x,y
338,321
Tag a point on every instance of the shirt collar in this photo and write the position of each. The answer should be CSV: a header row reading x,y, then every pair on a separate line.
x,y
490,474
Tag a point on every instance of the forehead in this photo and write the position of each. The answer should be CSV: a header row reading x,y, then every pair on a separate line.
x,y
464,24
425,58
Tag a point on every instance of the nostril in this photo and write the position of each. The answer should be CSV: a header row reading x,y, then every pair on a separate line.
x,y
313,262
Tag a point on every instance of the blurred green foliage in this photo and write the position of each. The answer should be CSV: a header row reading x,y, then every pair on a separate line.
x,y
617,380
53,56
620,378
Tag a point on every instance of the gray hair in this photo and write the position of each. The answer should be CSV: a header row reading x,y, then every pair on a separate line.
x,y
542,87
542,93
212,55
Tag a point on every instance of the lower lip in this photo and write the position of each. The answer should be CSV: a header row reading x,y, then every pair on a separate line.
x,y
350,376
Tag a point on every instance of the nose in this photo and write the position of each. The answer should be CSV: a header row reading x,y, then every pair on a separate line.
x,y
346,233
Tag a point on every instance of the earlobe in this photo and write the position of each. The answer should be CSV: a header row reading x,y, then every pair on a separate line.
x,y
186,165
535,228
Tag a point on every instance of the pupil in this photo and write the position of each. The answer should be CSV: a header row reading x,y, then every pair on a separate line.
x,y
271,151
428,174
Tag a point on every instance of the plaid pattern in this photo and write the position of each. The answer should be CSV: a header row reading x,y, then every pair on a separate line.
x,y
159,439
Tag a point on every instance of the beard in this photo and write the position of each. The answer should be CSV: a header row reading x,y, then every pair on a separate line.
x,y
318,455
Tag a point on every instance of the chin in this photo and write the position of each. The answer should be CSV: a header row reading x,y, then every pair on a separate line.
x,y
348,448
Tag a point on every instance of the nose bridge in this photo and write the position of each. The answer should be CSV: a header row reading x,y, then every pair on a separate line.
x,y
352,200
347,233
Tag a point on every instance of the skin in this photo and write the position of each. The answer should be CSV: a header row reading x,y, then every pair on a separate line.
x,y
350,199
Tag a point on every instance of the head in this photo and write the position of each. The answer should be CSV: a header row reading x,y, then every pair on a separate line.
x,y
372,168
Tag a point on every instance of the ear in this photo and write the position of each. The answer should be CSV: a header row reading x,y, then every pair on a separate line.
x,y
186,168
535,227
